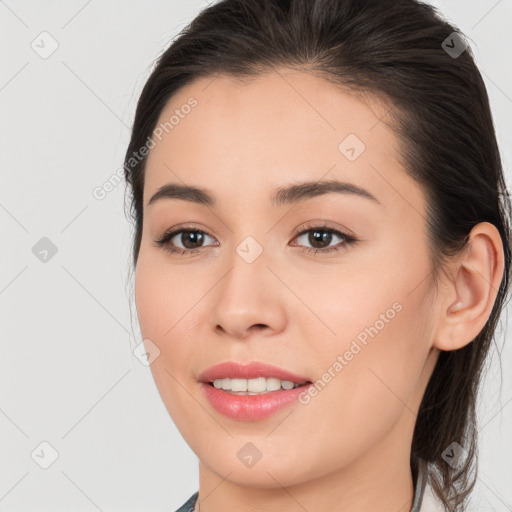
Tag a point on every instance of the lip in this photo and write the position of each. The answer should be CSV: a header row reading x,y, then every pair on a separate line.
x,y
250,407
251,370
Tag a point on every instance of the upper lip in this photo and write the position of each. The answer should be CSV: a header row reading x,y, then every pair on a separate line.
x,y
251,370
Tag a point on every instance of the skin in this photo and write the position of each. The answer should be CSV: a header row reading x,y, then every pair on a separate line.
x,y
349,447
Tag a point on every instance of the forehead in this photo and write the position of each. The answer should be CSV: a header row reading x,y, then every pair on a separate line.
x,y
260,133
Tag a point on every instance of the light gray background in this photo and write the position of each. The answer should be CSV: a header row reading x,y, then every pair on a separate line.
x,y
67,372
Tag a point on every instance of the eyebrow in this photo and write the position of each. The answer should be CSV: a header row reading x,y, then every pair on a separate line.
x,y
290,194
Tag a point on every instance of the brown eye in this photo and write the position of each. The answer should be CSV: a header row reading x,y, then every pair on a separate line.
x,y
191,240
320,237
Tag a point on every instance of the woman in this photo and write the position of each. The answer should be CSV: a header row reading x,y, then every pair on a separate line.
x,y
322,251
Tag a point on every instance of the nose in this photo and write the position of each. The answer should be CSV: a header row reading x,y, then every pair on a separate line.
x,y
249,299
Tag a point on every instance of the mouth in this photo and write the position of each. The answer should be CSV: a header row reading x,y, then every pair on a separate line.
x,y
251,391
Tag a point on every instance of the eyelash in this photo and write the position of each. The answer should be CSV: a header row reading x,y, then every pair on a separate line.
x,y
169,235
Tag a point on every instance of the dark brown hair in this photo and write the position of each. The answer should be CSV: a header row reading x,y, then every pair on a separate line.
x,y
440,111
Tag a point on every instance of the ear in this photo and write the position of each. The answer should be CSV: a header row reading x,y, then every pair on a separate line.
x,y
469,296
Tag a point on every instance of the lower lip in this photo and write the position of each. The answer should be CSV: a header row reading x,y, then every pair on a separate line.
x,y
251,407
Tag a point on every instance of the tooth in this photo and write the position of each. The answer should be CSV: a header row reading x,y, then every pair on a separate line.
x,y
238,384
254,386
257,385
273,384
287,384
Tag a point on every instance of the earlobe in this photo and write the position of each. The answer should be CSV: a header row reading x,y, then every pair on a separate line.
x,y
470,296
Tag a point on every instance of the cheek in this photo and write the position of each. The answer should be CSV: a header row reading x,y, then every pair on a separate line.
x,y
158,310
150,298
167,310
366,388
161,295
375,329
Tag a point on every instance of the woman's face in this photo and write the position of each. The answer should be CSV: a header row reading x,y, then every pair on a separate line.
x,y
358,322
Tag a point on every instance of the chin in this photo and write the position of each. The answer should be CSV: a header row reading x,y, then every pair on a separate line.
x,y
266,469
260,476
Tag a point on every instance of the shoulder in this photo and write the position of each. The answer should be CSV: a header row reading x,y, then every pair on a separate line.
x,y
188,506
